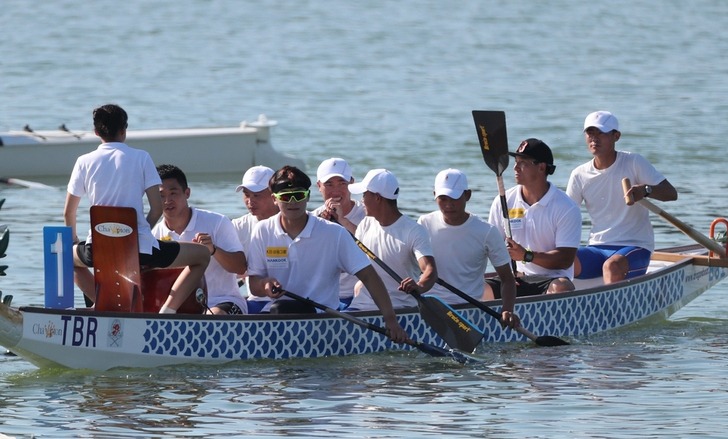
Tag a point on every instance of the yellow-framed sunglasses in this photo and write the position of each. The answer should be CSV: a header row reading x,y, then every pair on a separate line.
x,y
292,196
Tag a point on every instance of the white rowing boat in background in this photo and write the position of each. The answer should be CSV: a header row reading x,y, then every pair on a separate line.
x,y
195,150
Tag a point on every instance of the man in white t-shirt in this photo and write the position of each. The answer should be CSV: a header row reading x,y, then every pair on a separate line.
x,y
258,200
396,239
544,221
621,239
334,177
117,175
182,223
463,265
304,254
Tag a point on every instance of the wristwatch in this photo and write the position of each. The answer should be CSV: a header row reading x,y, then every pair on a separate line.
x,y
528,256
648,190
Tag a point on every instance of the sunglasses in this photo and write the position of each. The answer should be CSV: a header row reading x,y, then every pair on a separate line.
x,y
292,196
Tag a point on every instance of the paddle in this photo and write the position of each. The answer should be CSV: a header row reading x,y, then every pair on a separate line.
x,y
424,347
544,340
25,183
493,139
455,329
691,232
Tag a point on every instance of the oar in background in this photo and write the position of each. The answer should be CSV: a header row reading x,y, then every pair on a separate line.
x,y
493,140
691,232
424,347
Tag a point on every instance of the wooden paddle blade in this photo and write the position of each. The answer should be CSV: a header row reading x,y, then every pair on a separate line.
x,y
493,139
457,332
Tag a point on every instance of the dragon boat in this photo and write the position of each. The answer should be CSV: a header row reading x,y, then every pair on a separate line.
x,y
101,340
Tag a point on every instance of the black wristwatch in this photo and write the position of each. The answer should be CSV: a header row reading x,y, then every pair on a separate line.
x,y
528,256
648,190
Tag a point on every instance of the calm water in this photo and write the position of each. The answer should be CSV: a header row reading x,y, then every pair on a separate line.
x,y
384,84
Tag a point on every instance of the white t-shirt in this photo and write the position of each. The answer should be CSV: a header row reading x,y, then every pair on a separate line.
x,y
348,281
244,225
222,286
308,265
554,221
613,222
115,174
462,253
399,245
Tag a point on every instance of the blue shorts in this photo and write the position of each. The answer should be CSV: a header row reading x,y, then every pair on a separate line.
x,y
592,258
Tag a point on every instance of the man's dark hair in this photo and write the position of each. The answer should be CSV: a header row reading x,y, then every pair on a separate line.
x,y
171,171
289,177
109,120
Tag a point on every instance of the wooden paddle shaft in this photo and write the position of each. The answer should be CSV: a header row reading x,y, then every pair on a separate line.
x,y
691,232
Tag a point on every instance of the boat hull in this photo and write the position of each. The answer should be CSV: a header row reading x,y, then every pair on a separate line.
x,y
86,339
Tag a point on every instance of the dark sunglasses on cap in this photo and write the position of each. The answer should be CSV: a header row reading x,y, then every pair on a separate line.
x,y
292,196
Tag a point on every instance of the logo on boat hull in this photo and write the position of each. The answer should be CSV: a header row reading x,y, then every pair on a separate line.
x,y
113,230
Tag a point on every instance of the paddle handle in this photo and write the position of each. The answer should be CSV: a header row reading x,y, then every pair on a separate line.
x,y
691,232
506,216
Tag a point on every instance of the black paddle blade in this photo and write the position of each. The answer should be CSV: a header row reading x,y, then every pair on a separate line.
x,y
493,138
440,352
550,340
457,332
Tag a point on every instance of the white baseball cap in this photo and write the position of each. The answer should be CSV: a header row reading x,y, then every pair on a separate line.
x,y
333,167
451,183
256,179
604,120
379,181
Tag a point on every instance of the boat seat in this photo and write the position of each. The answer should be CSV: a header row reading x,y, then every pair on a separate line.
x,y
117,277
156,283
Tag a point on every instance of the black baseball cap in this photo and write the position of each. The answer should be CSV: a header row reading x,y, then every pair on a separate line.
x,y
537,150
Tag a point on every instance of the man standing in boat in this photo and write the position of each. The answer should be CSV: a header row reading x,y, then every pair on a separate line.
x,y
184,223
396,239
258,199
545,225
117,175
464,265
621,239
334,177
300,252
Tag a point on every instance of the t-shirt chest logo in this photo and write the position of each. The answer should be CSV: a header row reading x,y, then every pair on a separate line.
x,y
276,256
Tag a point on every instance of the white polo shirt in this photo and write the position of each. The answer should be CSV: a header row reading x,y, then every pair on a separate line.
x,y
462,253
222,286
309,265
399,245
115,174
553,221
347,282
